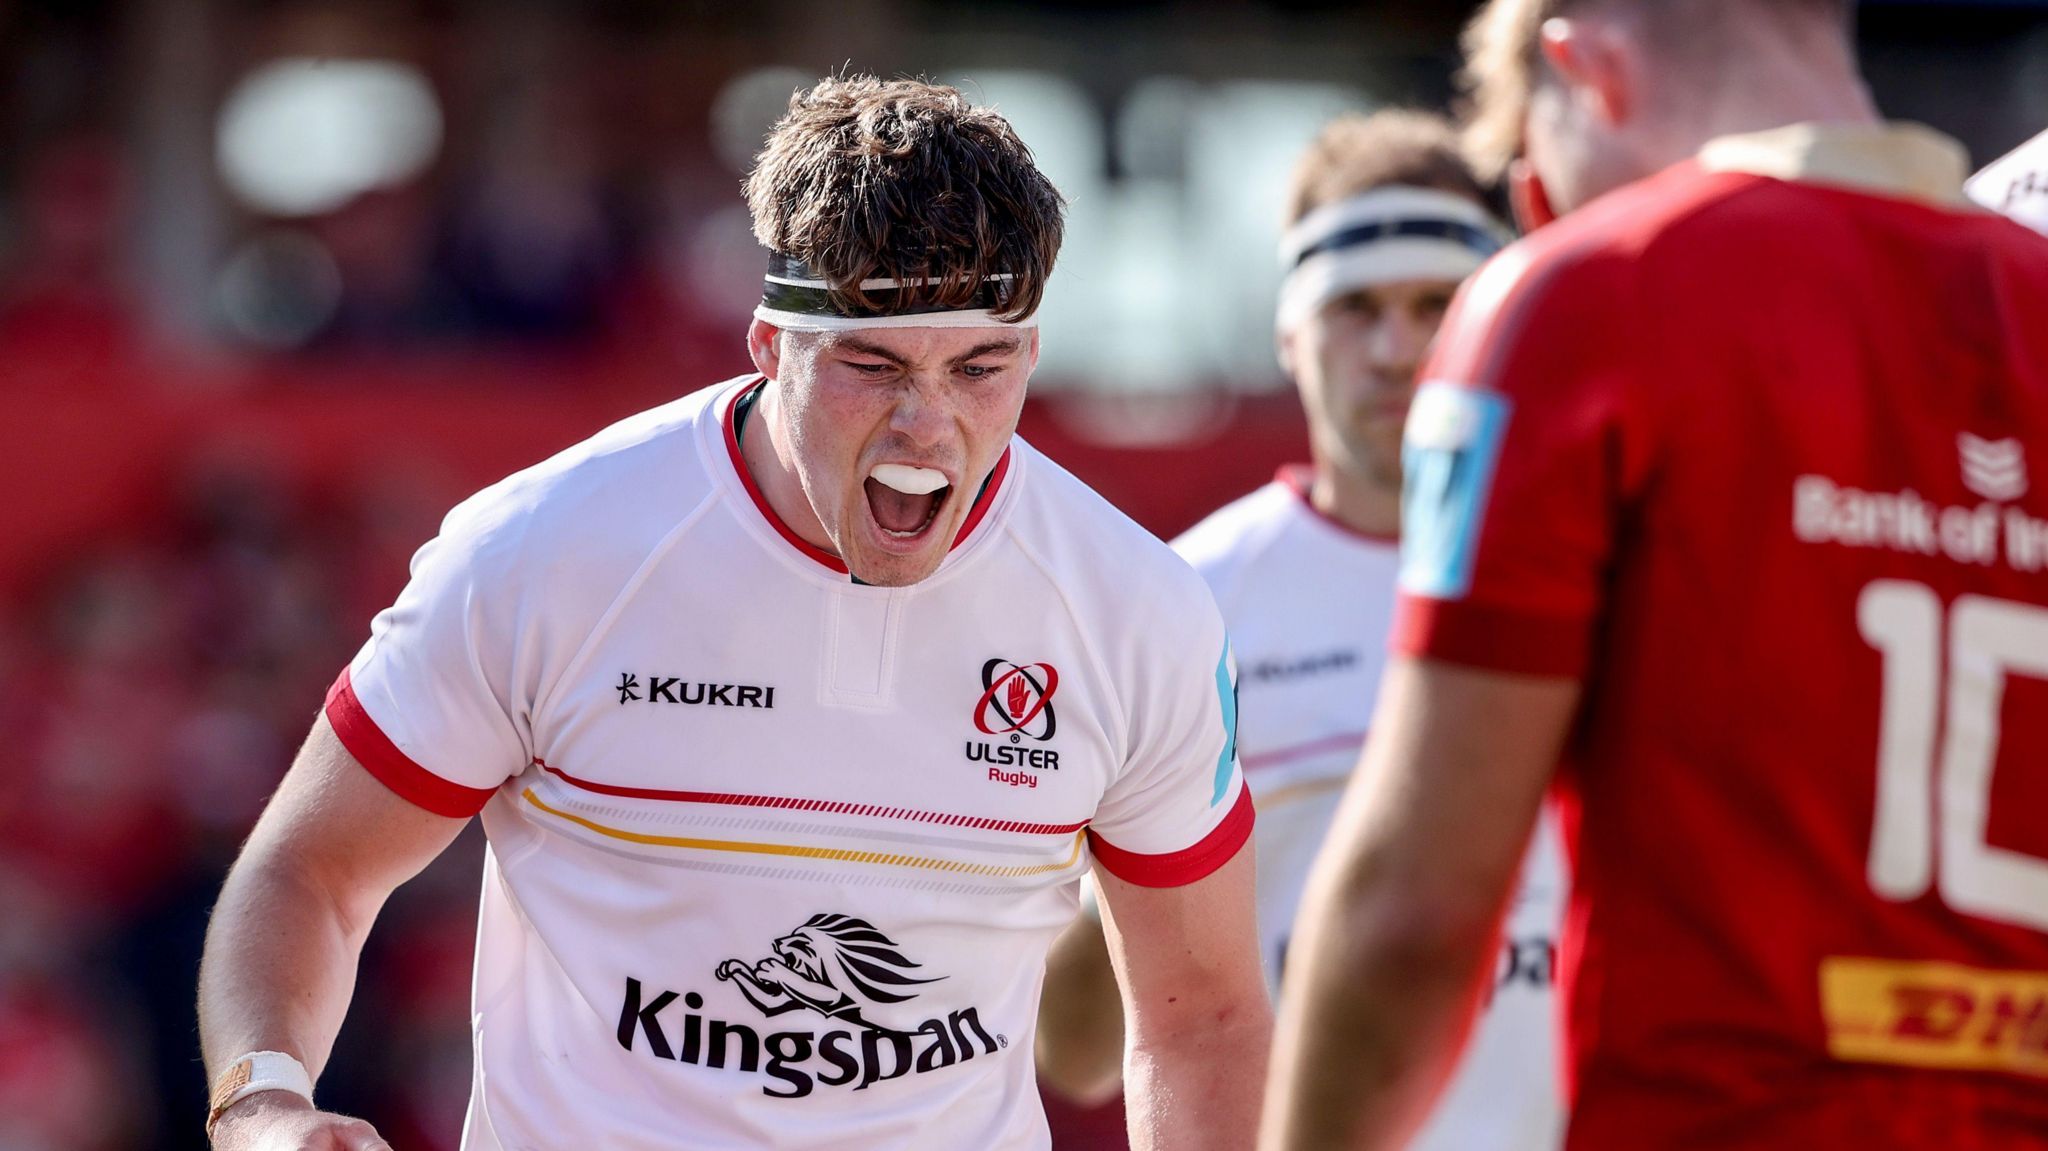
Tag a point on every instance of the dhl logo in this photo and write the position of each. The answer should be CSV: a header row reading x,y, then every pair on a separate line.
x,y
1936,1015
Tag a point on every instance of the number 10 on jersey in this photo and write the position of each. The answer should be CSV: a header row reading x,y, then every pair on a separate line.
x,y
1987,640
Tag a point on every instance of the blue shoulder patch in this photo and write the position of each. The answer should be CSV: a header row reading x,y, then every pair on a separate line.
x,y
1448,457
1226,694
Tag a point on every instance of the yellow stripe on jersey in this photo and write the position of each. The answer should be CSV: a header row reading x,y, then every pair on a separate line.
x,y
884,858
1935,1015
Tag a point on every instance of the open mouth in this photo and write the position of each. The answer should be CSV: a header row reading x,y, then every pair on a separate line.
x,y
905,500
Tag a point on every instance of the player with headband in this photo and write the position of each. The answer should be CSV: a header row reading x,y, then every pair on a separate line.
x,y
1387,221
795,710
1720,539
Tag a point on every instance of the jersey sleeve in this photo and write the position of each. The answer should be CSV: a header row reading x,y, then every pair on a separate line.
x,y
1517,460
430,705
1179,809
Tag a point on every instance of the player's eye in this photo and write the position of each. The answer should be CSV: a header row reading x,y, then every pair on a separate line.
x,y
1358,305
979,371
867,368
1433,305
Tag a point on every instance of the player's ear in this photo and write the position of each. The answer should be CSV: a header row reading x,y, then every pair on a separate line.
x,y
1030,352
1283,344
765,348
1593,60
1528,197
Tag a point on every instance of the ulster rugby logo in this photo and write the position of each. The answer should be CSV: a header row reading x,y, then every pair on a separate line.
x,y
835,965
1017,699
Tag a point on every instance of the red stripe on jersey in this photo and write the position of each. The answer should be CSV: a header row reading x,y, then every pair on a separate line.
x,y
987,500
834,807
1180,868
392,767
821,556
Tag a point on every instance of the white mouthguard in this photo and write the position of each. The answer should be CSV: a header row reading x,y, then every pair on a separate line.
x,y
908,480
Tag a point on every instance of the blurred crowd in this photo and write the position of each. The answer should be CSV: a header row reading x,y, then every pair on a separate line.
x,y
157,673
204,180
537,267
160,685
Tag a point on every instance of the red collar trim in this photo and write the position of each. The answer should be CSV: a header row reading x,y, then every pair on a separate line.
x,y
975,514
739,464
1298,478
832,562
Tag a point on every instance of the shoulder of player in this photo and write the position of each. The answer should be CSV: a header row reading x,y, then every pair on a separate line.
x,y
609,497
1237,535
1103,561
1573,280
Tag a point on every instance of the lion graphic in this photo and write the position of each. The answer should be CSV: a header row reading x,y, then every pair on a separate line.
x,y
836,965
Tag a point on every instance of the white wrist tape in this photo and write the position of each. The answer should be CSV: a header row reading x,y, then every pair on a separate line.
x,y
254,1072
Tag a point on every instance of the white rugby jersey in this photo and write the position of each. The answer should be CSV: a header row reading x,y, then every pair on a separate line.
x,y
1308,603
775,857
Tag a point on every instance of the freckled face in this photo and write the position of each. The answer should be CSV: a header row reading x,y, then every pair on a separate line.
x,y
941,400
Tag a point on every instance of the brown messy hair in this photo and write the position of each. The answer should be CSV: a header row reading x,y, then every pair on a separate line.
x,y
1504,59
1356,153
900,179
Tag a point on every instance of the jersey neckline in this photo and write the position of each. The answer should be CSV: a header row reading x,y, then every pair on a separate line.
x,y
984,500
1898,159
1296,478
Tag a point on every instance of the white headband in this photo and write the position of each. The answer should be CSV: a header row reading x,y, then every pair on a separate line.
x,y
810,322
798,303
1379,237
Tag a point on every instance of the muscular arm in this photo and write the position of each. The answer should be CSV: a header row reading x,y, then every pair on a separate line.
x,y
1398,923
1195,1007
281,950
1080,1050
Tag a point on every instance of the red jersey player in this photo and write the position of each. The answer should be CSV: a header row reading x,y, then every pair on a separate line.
x,y
1728,517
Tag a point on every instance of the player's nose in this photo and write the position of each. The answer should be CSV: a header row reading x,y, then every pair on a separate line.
x,y
1397,344
921,413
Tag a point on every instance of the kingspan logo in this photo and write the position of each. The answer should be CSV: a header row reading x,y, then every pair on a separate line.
x,y
838,967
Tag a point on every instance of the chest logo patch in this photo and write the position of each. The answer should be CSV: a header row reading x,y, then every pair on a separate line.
x,y
840,975
1015,704
1016,699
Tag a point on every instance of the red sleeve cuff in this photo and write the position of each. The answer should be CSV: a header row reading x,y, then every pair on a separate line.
x,y
1492,638
1180,868
392,767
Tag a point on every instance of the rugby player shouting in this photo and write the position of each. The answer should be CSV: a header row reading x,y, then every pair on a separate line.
x,y
794,710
